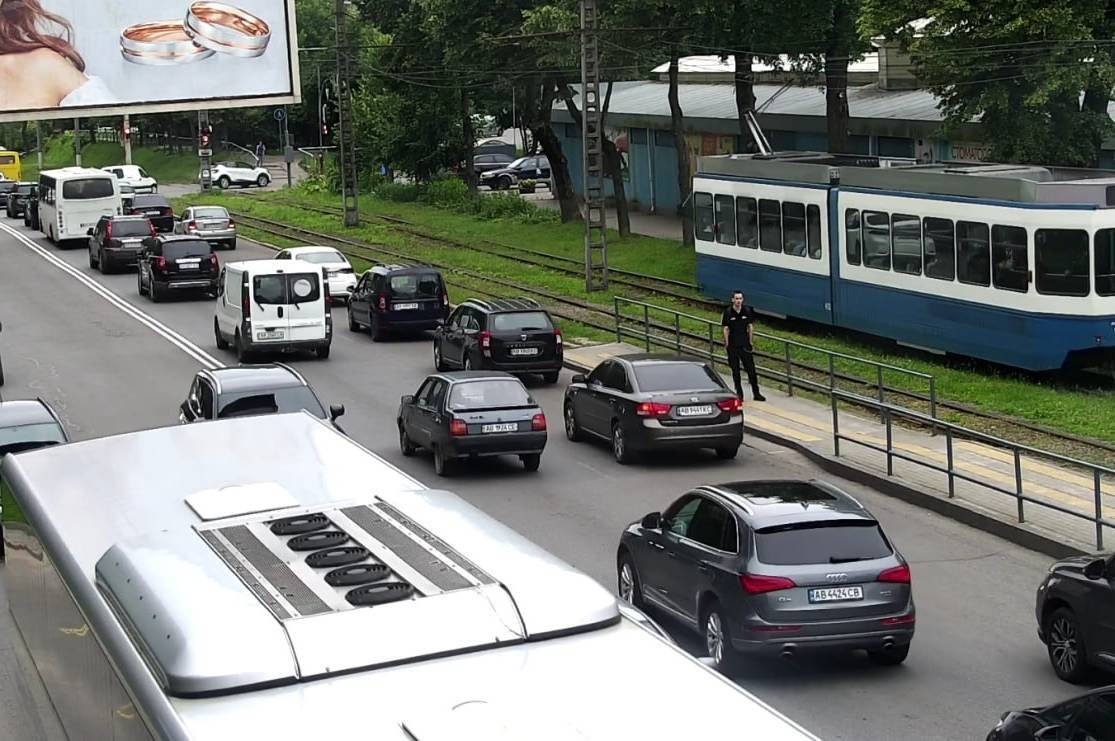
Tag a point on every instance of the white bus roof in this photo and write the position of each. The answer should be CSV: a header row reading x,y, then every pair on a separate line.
x,y
74,172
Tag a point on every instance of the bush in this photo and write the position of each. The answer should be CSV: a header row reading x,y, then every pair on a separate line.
x,y
447,193
399,192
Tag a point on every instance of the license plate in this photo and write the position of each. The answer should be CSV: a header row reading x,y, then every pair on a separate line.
x,y
520,351
405,307
836,594
509,427
697,411
270,334
188,265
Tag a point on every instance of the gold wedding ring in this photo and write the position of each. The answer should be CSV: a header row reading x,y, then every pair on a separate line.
x,y
160,43
226,29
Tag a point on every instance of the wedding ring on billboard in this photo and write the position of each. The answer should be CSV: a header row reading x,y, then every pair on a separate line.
x,y
160,43
226,29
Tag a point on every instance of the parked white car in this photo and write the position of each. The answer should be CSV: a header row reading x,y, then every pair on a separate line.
x,y
134,176
338,270
227,174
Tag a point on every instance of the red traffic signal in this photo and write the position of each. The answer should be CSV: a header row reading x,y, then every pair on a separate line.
x,y
127,131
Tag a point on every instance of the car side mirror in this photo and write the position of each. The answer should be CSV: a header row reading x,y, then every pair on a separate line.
x,y
653,521
336,410
1096,569
408,399
89,232
186,409
578,378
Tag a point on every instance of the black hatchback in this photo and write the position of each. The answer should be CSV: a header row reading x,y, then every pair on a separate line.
x,y
1089,717
472,415
513,335
171,264
398,298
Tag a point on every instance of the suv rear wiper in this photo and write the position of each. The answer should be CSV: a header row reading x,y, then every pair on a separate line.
x,y
848,559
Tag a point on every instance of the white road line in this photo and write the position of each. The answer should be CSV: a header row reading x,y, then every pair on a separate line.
x,y
126,307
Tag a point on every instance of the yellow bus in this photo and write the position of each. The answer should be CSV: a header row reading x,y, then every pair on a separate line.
x,y
10,165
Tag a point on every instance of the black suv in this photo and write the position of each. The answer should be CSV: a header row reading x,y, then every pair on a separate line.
x,y
31,209
1075,603
156,208
117,241
512,335
251,390
170,264
408,298
16,200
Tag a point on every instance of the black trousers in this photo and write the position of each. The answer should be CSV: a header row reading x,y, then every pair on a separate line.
x,y
738,356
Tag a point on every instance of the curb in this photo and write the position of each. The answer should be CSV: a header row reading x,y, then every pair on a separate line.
x,y
1018,534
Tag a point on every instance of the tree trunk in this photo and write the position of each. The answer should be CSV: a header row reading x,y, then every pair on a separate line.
x,y
613,165
470,143
540,108
745,99
836,77
685,182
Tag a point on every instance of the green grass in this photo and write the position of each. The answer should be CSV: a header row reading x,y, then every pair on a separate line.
x,y
12,511
165,168
1078,411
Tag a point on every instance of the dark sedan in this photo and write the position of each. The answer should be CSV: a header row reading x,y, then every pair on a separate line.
x,y
156,208
16,200
472,414
1089,717
645,402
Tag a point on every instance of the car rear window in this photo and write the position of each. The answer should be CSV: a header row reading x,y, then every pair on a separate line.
x,y
87,188
211,212
489,395
319,258
23,435
295,288
521,321
151,202
821,543
179,250
676,377
276,401
24,189
131,228
415,285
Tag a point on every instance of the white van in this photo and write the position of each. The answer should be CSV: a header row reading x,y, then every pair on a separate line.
x,y
73,199
273,306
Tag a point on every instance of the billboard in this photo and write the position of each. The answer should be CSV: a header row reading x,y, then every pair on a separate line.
x,y
78,58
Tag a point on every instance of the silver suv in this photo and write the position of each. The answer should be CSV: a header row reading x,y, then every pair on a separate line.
x,y
772,567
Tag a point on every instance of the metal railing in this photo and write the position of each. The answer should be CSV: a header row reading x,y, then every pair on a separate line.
x,y
659,327
952,432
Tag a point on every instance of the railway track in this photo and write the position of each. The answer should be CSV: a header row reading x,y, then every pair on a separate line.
x,y
603,318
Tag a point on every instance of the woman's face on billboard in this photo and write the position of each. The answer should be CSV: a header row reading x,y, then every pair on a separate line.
x,y
38,63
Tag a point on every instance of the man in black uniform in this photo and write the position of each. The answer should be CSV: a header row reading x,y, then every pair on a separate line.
x,y
739,325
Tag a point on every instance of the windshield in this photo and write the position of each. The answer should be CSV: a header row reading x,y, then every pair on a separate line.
x,y
521,321
142,172
151,202
821,543
131,228
87,189
28,437
489,395
286,289
275,401
180,250
321,258
519,162
676,377
211,212
24,189
423,285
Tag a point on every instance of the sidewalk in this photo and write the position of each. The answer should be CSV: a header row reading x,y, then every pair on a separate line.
x,y
806,425
661,225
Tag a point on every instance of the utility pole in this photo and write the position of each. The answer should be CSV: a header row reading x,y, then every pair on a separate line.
x,y
127,139
346,141
77,142
596,250
39,143
204,151
320,113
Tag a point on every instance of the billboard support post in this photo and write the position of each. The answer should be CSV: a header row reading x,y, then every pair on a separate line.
x,y
39,143
77,142
345,140
127,139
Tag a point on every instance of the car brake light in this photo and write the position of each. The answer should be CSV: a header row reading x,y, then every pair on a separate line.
x,y
192,226
557,335
457,427
445,299
160,262
759,584
653,409
896,575
213,260
231,223
246,303
730,405
900,620
538,423
486,342
382,302
152,228
108,231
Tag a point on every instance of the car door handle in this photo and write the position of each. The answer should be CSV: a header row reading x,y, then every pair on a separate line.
x,y
659,546
703,566
671,554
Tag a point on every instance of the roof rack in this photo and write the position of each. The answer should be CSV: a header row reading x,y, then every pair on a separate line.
x,y
523,303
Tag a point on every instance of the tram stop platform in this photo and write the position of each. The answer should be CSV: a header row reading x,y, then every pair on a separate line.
x,y
1059,502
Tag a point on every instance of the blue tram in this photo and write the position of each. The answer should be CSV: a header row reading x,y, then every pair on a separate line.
x,y
1013,264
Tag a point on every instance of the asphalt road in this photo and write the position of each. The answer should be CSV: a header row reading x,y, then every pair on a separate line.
x,y
975,653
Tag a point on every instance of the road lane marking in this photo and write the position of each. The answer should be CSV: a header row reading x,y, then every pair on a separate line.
x,y
120,303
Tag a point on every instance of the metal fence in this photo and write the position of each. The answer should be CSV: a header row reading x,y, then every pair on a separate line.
x,y
662,328
952,432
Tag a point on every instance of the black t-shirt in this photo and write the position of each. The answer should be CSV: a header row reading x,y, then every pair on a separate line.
x,y
737,324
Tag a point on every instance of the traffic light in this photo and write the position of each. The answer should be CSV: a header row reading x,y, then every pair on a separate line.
x,y
206,137
127,132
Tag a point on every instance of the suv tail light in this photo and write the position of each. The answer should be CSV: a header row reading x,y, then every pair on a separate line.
x,y
382,302
108,230
246,303
760,584
730,405
445,299
896,575
154,232
160,262
557,335
458,428
486,342
191,226
213,261
538,423
653,409
231,224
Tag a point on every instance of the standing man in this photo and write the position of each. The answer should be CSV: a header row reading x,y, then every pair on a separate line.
x,y
260,151
739,327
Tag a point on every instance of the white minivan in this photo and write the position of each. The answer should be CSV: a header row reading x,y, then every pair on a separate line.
x,y
73,199
273,306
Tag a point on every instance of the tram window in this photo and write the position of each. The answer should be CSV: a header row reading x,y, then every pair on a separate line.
x,y
1061,257
1009,245
876,240
973,254
852,237
725,220
939,244
770,225
906,243
793,227
1105,262
813,226
702,216
747,220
